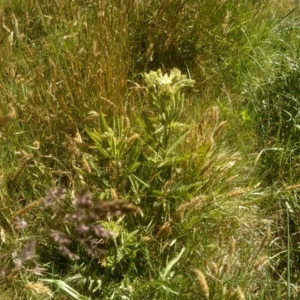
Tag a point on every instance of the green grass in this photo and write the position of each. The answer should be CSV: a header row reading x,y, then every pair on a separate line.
x,y
149,149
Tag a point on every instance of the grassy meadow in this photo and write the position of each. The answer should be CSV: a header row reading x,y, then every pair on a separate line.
x,y
149,149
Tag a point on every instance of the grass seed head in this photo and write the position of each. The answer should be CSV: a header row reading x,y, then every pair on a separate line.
x,y
207,166
222,2
189,205
214,269
218,130
2,235
215,114
38,288
203,283
265,240
132,139
260,262
165,230
225,268
28,208
77,138
179,214
240,293
231,246
36,145
86,165
236,192
114,194
225,25
16,26
147,239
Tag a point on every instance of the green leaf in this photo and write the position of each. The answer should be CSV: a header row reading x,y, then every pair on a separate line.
x,y
156,193
171,263
176,142
132,156
134,166
102,151
65,287
139,180
95,167
147,125
245,115
165,285
103,124
121,147
98,140
134,184
113,143
171,161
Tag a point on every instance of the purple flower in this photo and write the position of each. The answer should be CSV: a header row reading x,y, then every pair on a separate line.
x,y
60,238
28,251
83,200
66,252
55,194
83,229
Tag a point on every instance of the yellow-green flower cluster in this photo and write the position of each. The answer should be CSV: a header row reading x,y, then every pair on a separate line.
x,y
166,86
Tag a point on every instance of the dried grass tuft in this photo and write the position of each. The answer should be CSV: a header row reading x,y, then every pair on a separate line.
x,y
38,288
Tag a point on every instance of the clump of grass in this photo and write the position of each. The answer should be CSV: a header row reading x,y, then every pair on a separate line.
x,y
231,274
277,123
275,104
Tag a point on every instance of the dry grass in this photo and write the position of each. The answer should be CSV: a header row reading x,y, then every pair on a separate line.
x,y
66,67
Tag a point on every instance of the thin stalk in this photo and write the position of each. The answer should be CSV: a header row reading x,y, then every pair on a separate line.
x,y
288,251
